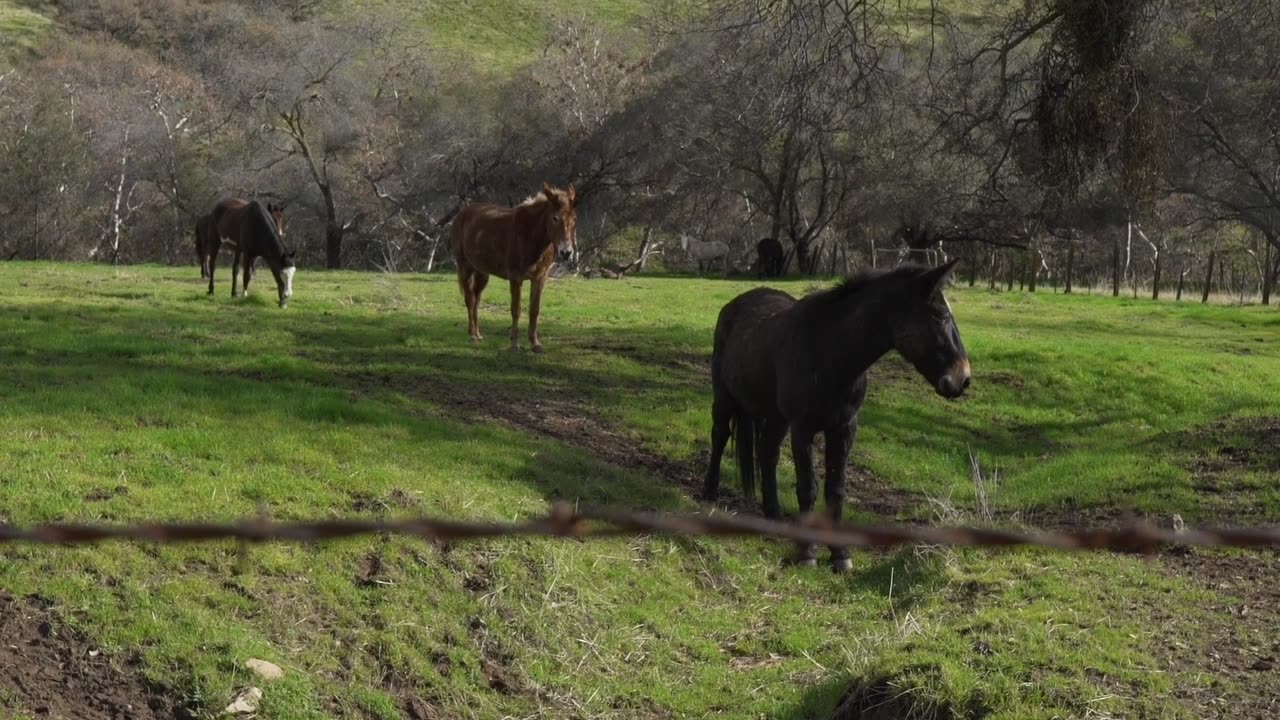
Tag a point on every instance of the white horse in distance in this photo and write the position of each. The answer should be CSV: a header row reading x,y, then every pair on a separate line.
x,y
706,253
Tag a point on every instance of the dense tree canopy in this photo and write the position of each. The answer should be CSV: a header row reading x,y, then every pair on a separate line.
x,y
1097,138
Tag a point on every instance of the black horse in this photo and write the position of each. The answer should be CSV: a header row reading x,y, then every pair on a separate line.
x,y
781,364
769,258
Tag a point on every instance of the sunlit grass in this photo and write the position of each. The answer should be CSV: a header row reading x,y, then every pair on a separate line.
x,y
128,394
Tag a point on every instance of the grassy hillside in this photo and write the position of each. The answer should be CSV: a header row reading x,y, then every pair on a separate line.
x,y
22,24
496,36
131,395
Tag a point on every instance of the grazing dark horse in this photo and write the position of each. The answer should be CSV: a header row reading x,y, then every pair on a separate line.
x,y
781,364
769,258
515,244
253,231
208,242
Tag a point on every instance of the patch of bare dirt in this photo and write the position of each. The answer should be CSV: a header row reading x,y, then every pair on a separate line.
x,y
497,664
396,499
51,671
1221,454
699,363
1239,648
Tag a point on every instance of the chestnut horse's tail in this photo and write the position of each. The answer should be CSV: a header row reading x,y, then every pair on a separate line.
x,y
746,435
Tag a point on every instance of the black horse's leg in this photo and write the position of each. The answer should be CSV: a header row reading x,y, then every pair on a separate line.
x,y
772,433
806,483
212,260
235,272
839,444
721,415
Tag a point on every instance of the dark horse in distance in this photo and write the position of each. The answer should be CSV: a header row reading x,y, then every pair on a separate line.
x,y
515,244
781,364
207,239
252,230
770,258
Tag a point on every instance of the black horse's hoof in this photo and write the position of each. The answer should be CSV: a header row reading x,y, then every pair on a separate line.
x,y
841,565
804,562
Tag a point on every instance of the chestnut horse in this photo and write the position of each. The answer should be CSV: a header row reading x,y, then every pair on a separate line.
x,y
515,244
252,230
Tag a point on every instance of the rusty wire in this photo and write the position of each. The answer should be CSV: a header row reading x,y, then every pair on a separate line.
x,y
566,521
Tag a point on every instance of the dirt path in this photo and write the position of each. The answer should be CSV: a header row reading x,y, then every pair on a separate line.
x,y
51,671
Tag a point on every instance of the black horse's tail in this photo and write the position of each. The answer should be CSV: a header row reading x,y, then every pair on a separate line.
x,y
746,436
204,267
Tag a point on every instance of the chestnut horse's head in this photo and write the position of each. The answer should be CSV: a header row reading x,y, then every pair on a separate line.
x,y
561,219
277,215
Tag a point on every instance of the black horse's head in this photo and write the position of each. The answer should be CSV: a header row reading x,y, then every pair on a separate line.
x,y
925,333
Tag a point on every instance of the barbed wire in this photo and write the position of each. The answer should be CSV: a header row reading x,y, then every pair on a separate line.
x,y
566,521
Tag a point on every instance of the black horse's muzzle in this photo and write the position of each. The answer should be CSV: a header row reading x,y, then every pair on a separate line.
x,y
955,381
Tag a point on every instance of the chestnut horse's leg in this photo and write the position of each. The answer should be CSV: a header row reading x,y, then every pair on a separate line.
x,y
478,283
472,284
246,272
839,444
535,305
515,314
235,271
465,278
806,483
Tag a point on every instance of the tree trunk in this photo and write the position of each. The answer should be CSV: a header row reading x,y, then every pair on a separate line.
x,y
991,270
973,264
1128,255
645,244
1181,277
1115,267
1266,274
1155,279
332,245
1208,278
1035,270
1071,261
1011,265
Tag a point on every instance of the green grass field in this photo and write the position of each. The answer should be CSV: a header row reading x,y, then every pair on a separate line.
x,y
128,394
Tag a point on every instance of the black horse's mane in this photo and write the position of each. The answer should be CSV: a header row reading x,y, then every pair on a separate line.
x,y
263,217
856,284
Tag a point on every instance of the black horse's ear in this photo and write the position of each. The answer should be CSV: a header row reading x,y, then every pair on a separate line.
x,y
933,279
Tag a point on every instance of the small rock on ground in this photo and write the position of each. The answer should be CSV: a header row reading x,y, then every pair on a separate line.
x,y
246,703
266,670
